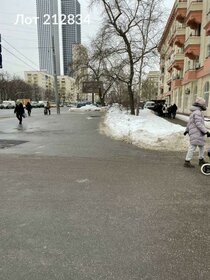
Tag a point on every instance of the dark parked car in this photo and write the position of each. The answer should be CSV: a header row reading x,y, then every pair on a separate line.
x,y
81,104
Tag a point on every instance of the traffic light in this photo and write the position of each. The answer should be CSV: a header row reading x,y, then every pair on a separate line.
x,y
0,53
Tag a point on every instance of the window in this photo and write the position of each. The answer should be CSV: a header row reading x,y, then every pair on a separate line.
x,y
206,93
180,98
206,87
208,51
188,65
186,99
195,93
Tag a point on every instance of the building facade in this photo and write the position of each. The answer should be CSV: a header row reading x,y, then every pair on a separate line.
x,y
44,82
46,34
58,21
80,71
71,33
150,86
185,55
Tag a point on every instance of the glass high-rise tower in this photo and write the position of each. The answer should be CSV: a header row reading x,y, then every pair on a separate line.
x,y
65,35
45,34
71,33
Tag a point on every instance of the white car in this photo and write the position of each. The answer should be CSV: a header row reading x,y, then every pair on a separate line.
x,y
8,104
149,105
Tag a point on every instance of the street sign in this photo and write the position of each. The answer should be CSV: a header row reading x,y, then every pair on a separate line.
x,y
92,87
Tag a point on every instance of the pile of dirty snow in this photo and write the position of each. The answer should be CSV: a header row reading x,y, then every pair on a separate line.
x,y
146,130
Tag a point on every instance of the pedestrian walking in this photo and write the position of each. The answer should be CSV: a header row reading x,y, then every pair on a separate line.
x,y
197,132
20,112
28,108
47,108
165,110
173,110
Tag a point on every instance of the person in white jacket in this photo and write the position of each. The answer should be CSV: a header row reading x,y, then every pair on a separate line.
x,y
197,132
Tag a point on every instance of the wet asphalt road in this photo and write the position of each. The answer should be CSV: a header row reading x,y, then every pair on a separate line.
x,y
78,205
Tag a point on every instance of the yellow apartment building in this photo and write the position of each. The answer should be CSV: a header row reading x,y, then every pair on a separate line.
x,y
185,55
44,81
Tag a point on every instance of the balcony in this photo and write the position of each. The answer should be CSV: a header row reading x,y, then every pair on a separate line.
x,y
189,76
179,37
169,81
181,11
207,26
192,47
176,83
162,63
194,14
205,70
168,93
171,39
170,67
178,62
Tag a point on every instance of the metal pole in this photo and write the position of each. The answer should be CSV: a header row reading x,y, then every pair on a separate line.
x,y
55,78
93,97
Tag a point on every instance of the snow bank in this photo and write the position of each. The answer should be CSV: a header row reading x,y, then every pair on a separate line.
x,y
146,130
87,108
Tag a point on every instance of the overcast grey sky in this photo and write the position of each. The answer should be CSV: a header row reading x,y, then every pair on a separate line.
x,y
23,38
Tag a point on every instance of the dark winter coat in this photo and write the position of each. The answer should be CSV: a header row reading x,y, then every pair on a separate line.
x,y
196,127
19,110
28,106
174,109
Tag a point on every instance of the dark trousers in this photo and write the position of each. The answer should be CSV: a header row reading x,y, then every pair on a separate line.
x,y
19,117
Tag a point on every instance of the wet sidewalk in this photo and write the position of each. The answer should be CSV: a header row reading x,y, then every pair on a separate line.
x,y
177,121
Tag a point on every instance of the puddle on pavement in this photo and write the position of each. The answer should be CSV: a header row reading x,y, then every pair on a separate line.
x,y
10,143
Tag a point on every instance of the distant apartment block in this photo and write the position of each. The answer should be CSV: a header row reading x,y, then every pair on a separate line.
x,y
150,86
185,54
45,82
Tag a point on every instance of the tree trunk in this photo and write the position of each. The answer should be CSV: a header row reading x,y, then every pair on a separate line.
x,y
102,101
101,97
130,92
138,105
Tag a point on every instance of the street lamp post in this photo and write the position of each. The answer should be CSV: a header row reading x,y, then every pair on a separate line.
x,y
55,78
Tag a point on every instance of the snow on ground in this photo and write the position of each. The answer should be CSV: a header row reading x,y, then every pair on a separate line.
x,y
87,108
146,130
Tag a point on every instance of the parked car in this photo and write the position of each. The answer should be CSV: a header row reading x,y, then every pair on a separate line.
x,y
149,105
71,105
8,104
42,103
34,104
53,105
83,103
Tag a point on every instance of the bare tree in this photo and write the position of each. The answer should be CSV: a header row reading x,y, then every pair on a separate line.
x,y
4,78
133,28
80,67
12,88
149,90
118,94
95,66
49,95
99,66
